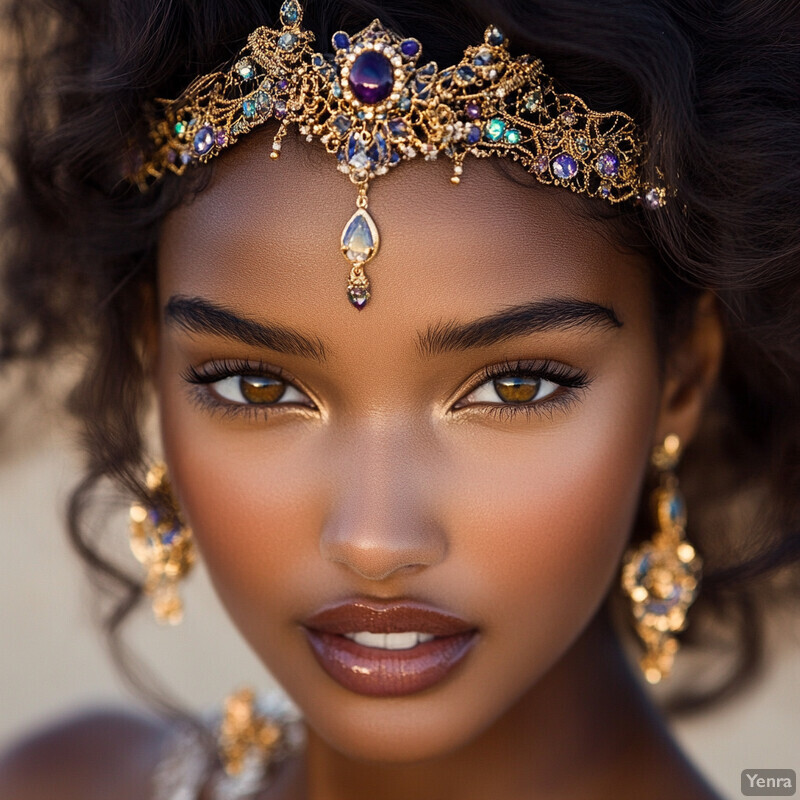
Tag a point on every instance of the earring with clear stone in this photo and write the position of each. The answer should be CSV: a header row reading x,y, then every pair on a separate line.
x,y
662,575
163,544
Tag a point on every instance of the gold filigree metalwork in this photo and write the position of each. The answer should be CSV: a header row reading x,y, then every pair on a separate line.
x,y
163,544
374,103
245,734
662,576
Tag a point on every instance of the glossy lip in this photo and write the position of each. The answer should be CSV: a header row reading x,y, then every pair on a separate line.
x,y
387,673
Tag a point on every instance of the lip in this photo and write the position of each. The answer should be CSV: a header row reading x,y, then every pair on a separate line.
x,y
388,673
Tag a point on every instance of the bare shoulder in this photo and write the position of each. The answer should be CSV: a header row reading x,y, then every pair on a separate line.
x,y
94,755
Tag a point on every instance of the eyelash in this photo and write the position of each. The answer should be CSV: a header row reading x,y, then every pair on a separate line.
x,y
570,381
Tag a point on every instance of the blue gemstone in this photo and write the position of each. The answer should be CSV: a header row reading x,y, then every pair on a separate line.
x,y
428,70
474,134
287,41
357,153
607,163
203,140
371,77
186,157
495,37
423,90
337,89
317,60
394,158
564,166
397,127
677,508
341,124
409,47
249,108
483,58
170,536
290,12
341,41
405,103
466,74
495,129
378,152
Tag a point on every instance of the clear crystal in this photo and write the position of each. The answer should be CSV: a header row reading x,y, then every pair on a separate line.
x,y
360,240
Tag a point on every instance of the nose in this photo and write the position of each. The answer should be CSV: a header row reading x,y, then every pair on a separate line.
x,y
380,523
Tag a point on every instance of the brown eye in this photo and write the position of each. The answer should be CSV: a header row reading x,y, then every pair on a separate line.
x,y
258,390
261,389
517,388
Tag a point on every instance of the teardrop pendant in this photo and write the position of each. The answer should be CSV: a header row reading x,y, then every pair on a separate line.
x,y
360,243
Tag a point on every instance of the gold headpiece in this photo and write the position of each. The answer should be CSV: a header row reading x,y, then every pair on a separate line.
x,y
372,107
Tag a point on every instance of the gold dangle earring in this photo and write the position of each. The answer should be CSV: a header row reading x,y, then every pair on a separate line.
x,y
163,544
662,576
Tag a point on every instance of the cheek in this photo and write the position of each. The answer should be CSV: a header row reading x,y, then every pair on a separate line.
x,y
251,503
543,540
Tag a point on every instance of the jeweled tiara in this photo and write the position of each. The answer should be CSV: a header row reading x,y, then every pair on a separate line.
x,y
373,106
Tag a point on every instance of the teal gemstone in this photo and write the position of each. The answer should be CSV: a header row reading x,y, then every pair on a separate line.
x,y
180,128
290,12
249,108
512,136
263,102
494,130
245,69
533,99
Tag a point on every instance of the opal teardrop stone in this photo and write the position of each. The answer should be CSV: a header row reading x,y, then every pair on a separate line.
x,y
360,240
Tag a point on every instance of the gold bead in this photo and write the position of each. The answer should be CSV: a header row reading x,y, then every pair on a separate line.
x,y
274,155
455,180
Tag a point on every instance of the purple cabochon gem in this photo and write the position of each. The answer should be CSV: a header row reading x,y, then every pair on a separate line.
x,y
371,77
608,163
564,166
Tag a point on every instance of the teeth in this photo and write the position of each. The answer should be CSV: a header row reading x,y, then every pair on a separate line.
x,y
390,641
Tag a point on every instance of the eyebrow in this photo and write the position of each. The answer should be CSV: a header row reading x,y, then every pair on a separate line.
x,y
197,315
518,320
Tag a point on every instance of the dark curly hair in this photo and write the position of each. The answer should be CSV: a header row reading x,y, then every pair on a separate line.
x,y
715,84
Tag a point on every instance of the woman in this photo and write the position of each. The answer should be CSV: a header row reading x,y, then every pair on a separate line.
x,y
415,489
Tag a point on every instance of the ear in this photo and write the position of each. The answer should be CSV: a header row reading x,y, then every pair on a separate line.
x,y
691,372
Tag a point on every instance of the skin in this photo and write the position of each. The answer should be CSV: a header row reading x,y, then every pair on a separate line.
x,y
390,478
396,485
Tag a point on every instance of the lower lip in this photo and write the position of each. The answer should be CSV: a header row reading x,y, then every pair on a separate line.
x,y
389,673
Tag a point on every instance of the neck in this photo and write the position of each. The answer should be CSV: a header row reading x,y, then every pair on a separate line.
x,y
580,732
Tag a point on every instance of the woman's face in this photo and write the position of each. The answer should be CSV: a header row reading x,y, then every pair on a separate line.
x,y
367,459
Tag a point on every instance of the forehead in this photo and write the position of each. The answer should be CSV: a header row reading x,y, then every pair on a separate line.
x,y
264,238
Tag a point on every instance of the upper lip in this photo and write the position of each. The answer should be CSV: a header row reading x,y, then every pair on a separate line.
x,y
386,617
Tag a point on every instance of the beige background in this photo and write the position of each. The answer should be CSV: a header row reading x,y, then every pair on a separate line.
x,y
52,660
